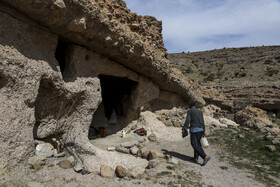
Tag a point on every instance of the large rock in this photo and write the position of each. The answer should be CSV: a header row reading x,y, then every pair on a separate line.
x,y
252,117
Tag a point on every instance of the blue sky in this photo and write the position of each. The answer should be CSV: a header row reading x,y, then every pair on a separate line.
x,y
198,25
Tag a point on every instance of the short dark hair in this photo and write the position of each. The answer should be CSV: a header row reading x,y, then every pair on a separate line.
x,y
191,104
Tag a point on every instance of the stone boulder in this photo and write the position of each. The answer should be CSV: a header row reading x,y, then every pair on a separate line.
x,y
65,164
107,172
120,171
152,137
252,117
154,154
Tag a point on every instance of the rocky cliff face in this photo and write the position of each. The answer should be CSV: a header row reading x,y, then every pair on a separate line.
x,y
245,76
56,59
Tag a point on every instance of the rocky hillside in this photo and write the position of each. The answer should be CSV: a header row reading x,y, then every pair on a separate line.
x,y
247,75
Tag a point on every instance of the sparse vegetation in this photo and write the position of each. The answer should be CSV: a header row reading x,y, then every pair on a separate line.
x,y
249,152
210,77
224,167
189,70
270,71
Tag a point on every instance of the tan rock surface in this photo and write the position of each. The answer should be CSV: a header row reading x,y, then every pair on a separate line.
x,y
101,38
109,28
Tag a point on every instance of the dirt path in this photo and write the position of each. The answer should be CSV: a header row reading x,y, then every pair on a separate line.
x,y
215,173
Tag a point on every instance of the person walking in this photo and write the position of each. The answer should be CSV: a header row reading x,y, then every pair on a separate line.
x,y
197,130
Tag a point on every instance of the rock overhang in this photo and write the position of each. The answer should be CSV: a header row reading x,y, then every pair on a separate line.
x,y
109,28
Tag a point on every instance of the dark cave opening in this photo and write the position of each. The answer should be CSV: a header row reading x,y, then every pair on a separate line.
x,y
114,91
116,100
60,54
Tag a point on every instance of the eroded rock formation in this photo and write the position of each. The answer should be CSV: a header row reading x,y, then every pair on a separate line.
x,y
55,58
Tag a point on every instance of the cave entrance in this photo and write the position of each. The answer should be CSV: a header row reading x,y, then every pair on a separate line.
x,y
116,101
60,54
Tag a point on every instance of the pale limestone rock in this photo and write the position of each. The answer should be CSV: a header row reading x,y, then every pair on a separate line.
x,y
134,150
155,154
107,172
213,122
228,122
45,149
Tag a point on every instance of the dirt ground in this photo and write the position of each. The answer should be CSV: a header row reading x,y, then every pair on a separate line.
x,y
215,173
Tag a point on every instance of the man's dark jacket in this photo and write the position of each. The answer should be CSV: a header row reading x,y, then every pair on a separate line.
x,y
194,119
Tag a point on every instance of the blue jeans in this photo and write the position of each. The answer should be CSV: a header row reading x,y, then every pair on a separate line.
x,y
195,142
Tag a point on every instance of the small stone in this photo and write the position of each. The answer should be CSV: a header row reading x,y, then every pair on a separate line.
x,y
111,148
134,150
173,160
65,164
122,150
36,161
78,167
45,149
85,172
271,148
154,155
144,152
241,136
120,171
130,144
59,4
107,172
152,137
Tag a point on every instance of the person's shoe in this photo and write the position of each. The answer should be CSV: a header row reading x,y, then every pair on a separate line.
x,y
205,161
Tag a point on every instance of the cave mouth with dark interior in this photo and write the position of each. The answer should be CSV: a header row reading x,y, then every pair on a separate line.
x,y
60,53
116,100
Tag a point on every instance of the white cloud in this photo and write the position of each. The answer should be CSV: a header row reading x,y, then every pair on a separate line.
x,y
194,25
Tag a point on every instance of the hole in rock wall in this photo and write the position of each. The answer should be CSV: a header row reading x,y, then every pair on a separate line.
x,y
3,80
112,112
60,53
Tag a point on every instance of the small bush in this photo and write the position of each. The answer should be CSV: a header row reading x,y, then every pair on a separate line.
x,y
210,77
268,61
243,74
189,70
236,74
270,72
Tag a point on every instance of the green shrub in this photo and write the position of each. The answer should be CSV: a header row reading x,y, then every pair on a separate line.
x,y
236,74
189,70
243,74
210,77
270,72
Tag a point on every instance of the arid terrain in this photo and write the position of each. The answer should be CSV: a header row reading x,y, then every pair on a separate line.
x,y
246,75
90,97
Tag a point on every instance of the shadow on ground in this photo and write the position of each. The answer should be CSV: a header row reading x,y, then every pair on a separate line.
x,y
178,155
